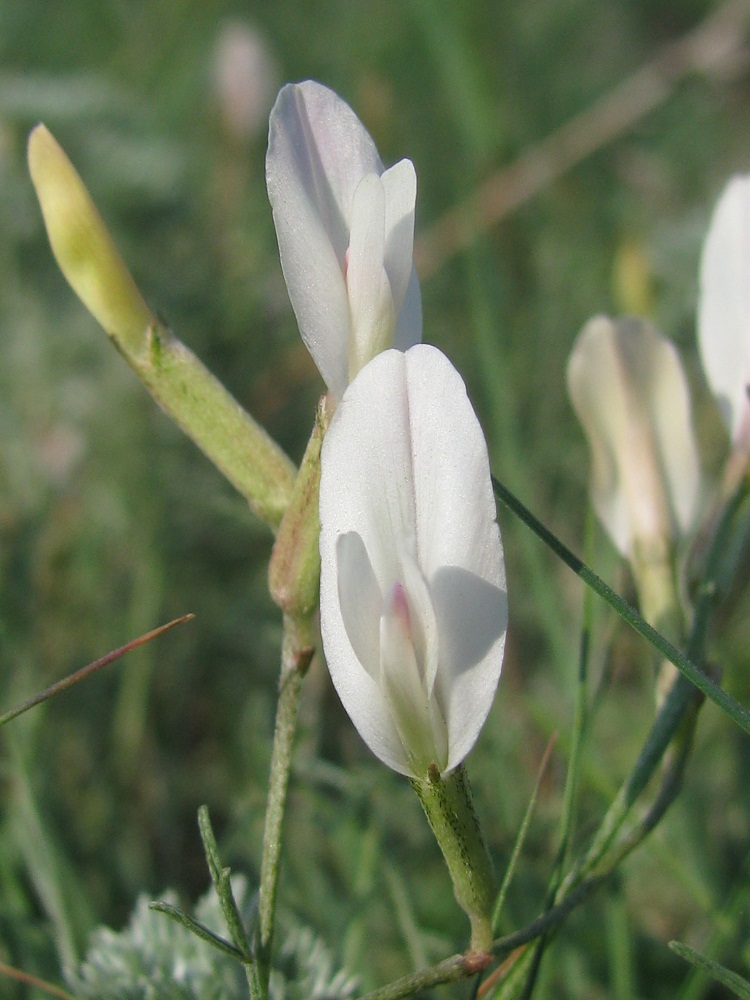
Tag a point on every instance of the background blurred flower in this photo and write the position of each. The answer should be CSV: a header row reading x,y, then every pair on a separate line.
x,y
724,308
345,227
413,597
245,78
628,388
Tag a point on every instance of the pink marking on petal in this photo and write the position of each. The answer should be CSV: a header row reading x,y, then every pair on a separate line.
x,y
398,604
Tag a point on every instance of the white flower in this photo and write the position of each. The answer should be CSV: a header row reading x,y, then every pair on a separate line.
x,y
413,602
724,308
345,227
629,391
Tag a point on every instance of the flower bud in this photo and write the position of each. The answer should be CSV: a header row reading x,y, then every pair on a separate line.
x,y
83,247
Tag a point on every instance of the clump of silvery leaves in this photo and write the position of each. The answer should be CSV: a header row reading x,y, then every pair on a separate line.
x,y
155,958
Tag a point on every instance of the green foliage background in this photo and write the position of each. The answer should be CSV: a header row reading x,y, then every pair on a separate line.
x,y
111,522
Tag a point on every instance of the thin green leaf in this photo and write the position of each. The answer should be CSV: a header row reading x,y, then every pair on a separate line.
x,y
221,878
521,837
210,846
405,916
197,928
739,986
90,668
532,961
232,914
24,977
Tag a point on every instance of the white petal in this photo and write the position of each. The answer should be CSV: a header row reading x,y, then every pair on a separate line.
x,y
415,713
424,629
370,300
458,541
400,185
472,618
361,600
629,391
318,151
409,319
352,645
724,307
404,458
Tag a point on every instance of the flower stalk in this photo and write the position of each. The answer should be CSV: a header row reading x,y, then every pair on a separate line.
x,y
449,808
298,648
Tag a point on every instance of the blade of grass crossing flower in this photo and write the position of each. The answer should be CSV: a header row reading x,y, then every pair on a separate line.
x,y
737,712
672,712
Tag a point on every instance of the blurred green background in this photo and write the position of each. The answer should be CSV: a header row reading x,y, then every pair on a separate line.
x,y
111,522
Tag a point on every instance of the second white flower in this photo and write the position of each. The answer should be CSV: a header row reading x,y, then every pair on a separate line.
x,y
413,597
345,227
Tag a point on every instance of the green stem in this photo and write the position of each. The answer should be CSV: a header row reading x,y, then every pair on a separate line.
x,y
450,811
450,970
462,966
296,653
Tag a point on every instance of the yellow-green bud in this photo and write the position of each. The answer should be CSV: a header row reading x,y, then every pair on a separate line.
x,y
83,247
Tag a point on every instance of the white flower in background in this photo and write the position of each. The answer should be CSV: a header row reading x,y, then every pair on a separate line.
x,y
345,228
629,391
724,309
413,601
245,79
